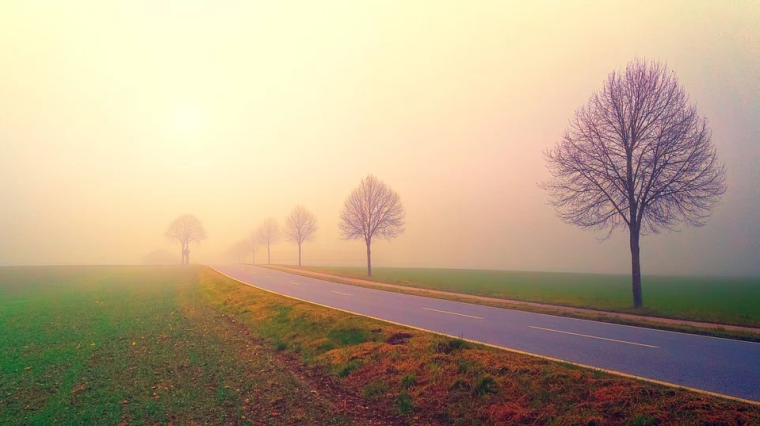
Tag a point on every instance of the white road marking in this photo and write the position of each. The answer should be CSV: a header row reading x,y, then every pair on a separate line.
x,y
267,276
295,283
340,292
452,313
594,337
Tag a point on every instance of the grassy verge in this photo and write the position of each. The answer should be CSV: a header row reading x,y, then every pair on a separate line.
x,y
611,317
110,345
428,378
722,300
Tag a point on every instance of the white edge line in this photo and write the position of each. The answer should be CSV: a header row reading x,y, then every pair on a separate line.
x,y
517,351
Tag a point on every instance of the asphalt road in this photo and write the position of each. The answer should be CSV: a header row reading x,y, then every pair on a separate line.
x,y
724,366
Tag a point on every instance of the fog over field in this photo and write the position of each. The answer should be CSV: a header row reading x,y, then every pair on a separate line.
x,y
117,117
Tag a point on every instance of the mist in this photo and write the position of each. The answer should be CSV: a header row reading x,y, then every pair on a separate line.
x,y
118,117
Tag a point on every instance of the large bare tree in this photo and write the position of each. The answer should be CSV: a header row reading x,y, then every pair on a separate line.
x,y
300,226
637,156
186,229
372,210
269,234
254,242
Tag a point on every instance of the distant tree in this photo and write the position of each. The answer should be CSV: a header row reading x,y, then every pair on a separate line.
x,y
254,242
372,210
300,226
637,156
239,250
269,234
186,229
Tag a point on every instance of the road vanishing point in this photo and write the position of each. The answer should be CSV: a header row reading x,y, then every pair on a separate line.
x,y
716,365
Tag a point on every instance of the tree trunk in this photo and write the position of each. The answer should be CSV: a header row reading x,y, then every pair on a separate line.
x,y
636,267
369,259
299,255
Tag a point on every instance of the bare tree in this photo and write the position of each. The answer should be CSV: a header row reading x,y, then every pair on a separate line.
x,y
269,234
636,156
254,242
372,210
239,250
300,226
186,229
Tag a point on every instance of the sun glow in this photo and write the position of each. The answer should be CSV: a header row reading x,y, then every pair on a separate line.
x,y
186,122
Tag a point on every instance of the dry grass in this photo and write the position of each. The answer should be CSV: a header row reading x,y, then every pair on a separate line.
x,y
457,382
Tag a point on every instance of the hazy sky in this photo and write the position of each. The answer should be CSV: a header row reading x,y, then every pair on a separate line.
x,y
118,116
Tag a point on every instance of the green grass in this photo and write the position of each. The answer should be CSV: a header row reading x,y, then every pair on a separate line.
x,y
186,345
729,300
104,345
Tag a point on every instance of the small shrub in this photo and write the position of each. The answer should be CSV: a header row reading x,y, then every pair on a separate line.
x,y
460,384
485,384
279,345
375,389
458,344
404,403
410,380
451,345
348,367
465,366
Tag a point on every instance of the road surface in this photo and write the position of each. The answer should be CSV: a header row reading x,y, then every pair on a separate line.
x,y
724,366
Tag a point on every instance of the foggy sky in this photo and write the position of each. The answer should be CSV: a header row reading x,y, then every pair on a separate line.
x,y
116,117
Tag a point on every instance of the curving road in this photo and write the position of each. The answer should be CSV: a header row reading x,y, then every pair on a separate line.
x,y
727,367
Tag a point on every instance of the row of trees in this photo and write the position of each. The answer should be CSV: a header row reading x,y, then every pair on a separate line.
x,y
637,157
372,210
300,226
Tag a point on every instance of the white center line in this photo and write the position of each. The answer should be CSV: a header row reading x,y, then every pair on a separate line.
x,y
452,313
340,292
295,283
267,276
594,337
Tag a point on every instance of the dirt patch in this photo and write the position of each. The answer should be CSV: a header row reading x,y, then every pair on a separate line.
x,y
323,387
398,339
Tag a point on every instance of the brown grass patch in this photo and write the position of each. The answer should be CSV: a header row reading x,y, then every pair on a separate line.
x,y
455,381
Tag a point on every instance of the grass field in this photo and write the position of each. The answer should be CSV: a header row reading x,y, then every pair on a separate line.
x,y
721,300
109,345
105,345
